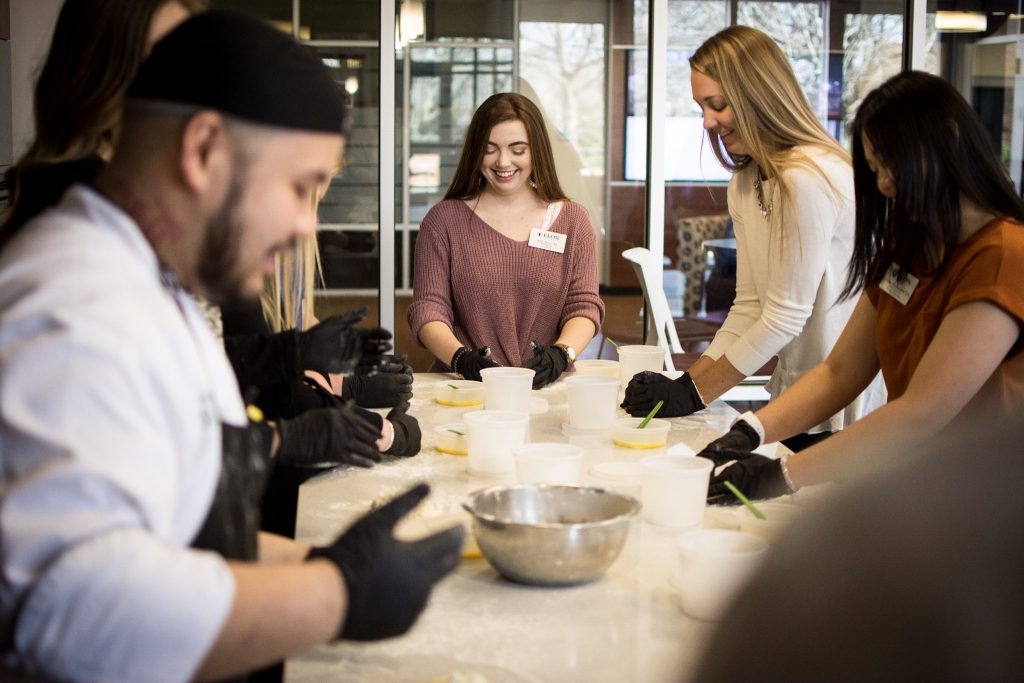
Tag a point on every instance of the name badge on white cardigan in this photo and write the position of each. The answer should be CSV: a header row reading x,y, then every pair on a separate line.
x,y
899,290
547,240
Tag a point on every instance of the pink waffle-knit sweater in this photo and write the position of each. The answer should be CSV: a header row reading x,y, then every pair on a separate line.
x,y
493,291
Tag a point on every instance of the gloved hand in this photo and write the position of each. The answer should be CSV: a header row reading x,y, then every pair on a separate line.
x,y
376,343
755,476
548,363
332,345
389,363
378,390
736,444
345,435
647,388
469,362
389,581
407,434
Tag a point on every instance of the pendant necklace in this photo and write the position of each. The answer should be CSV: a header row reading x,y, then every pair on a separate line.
x,y
765,209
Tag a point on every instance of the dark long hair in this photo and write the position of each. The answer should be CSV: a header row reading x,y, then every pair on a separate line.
x,y
97,47
496,109
924,132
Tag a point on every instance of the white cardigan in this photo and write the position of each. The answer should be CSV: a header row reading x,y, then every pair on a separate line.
x,y
787,285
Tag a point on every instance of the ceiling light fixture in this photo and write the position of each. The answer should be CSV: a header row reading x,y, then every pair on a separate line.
x,y
960,22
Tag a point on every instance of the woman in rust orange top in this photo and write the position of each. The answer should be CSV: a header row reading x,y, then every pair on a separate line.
x,y
939,251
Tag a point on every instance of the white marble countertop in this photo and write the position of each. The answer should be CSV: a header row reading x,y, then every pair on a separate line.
x,y
626,626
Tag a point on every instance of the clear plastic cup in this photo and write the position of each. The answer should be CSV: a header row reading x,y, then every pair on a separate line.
x,y
628,435
597,367
493,436
623,476
460,393
508,388
675,489
549,463
713,565
452,438
778,516
634,358
592,401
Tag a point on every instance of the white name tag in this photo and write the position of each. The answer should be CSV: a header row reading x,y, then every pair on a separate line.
x,y
548,241
898,290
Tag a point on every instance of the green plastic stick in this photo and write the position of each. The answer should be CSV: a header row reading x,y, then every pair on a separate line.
x,y
612,342
746,501
454,431
454,387
650,415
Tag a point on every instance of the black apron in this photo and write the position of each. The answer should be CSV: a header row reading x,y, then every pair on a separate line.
x,y
232,526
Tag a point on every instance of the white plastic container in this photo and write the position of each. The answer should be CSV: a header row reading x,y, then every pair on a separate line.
x,y
675,489
549,463
623,476
653,436
592,401
460,393
713,565
452,439
634,358
597,367
493,436
508,389
778,516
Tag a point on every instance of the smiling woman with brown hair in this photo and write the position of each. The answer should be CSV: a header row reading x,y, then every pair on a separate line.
x,y
506,263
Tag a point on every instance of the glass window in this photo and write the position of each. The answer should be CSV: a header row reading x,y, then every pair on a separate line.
x,y
562,69
332,20
469,19
872,52
446,85
277,12
978,48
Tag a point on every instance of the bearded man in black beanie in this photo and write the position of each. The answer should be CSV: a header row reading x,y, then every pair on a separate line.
x,y
119,407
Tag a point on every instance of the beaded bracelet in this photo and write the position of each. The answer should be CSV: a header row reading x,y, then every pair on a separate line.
x,y
455,358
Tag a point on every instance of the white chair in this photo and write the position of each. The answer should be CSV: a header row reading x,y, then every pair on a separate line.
x,y
660,326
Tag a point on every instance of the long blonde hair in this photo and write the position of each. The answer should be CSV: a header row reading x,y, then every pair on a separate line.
x,y
288,297
772,113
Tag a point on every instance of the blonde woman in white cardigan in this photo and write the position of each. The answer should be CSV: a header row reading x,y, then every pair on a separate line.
x,y
791,201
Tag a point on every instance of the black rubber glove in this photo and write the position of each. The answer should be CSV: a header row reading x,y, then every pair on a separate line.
x,y
469,362
376,343
647,388
755,476
407,434
333,345
548,364
388,363
389,581
378,390
346,435
736,444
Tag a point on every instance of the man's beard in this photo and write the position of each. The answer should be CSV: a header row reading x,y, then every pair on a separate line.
x,y
219,267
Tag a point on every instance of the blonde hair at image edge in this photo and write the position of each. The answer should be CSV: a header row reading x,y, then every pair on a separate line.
x,y
772,113
288,298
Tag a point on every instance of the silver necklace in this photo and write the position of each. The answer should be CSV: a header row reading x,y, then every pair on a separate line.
x,y
766,209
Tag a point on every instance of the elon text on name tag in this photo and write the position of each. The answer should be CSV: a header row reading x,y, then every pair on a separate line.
x,y
547,240
899,290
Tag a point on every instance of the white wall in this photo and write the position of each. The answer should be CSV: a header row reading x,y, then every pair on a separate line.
x,y
31,29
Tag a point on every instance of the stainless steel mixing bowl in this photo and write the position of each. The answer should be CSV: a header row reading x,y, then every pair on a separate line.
x,y
550,535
